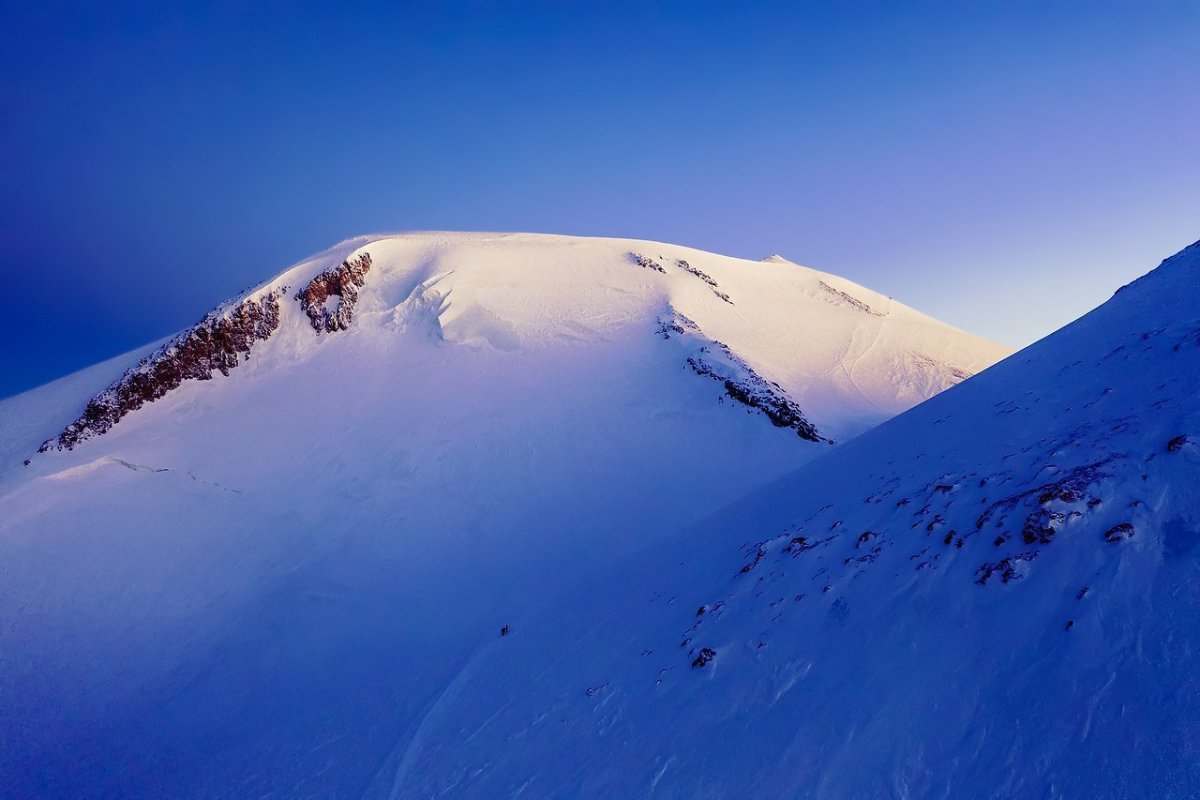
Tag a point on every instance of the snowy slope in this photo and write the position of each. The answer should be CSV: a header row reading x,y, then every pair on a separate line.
x,y
996,594
247,560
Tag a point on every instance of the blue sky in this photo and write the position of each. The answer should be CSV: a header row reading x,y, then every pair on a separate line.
x,y
1002,166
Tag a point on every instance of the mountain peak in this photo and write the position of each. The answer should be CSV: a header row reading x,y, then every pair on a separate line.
x,y
515,291
283,531
1008,571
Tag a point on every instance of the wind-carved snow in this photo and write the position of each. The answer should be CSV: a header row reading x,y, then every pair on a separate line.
x,y
276,604
991,595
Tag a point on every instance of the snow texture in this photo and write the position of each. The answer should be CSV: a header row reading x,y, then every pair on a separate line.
x,y
276,559
992,595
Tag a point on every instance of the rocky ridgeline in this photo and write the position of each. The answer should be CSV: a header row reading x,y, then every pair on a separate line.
x,y
715,360
758,393
218,343
342,282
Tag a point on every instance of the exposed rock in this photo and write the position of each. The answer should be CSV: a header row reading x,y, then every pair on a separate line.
x,y
707,654
342,282
645,261
1070,488
715,360
759,554
757,393
850,299
704,276
675,324
217,343
1118,533
1010,569
699,273
1039,528
1177,443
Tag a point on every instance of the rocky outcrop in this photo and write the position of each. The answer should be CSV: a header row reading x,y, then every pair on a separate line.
x,y
646,262
218,343
1119,532
1008,569
704,276
753,391
329,298
850,299
705,657
715,360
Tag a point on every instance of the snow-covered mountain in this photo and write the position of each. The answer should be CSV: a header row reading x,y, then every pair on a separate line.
x,y
996,594
250,559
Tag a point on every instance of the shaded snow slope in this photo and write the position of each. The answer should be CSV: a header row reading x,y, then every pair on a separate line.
x,y
260,554
996,594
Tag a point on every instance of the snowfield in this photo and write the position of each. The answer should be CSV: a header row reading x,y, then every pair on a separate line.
x,y
996,594
271,556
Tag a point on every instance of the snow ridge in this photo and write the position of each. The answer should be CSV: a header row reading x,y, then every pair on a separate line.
x,y
990,595
253,583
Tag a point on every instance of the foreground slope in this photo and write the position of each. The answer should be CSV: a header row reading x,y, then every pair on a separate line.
x,y
245,561
996,594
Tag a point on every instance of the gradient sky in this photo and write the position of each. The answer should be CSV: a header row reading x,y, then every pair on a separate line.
x,y
1002,166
